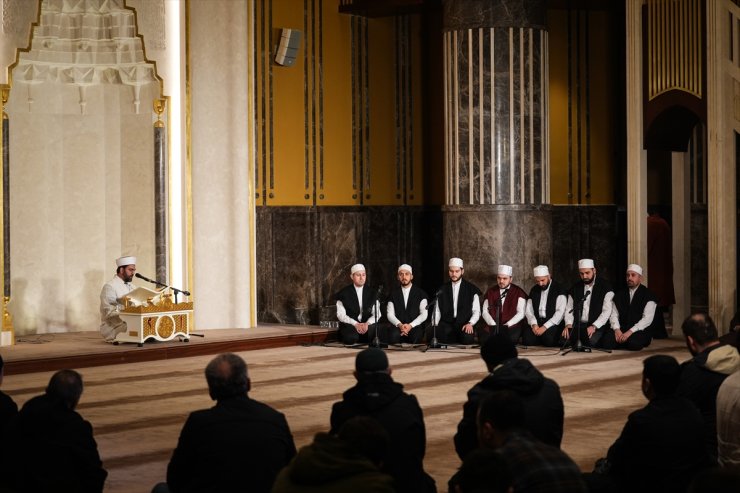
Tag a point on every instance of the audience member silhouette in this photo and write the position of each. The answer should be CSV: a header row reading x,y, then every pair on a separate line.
x,y
661,447
535,466
482,471
378,396
717,480
542,400
240,444
702,376
8,408
50,447
728,421
347,462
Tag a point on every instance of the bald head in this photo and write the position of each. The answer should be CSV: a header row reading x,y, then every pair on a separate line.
x,y
227,377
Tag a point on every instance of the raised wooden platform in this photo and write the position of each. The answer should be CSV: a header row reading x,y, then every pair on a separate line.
x,y
50,352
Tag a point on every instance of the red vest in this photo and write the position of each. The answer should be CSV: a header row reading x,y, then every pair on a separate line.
x,y
510,302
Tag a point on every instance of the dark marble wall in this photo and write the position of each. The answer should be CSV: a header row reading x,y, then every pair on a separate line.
x,y
486,236
472,14
594,231
304,253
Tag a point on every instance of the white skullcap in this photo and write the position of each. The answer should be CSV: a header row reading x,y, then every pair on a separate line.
x,y
121,261
357,268
455,262
634,268
586,263
541,271
505,270
405,267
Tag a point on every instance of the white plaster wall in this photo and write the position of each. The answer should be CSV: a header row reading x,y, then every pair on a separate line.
x,y
221,246
81,196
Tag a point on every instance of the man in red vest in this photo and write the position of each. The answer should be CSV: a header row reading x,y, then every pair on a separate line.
x,y
503,306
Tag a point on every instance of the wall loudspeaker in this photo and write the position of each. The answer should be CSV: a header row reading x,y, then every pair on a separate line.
x,y
290,41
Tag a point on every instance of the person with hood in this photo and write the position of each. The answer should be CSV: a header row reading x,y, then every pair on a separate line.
x,y
50,447
378,396
349,461
542,400
702,376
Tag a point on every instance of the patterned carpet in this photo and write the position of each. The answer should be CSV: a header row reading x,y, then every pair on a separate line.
x,y
138,409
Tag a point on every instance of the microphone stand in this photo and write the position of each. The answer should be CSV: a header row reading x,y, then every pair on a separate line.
x,y
434,344
162,285
174,290
579,346
498,316
376,305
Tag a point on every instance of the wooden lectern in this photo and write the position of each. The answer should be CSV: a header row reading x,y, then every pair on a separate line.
x,y
159,318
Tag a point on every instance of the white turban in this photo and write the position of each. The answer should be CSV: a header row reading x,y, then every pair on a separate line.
x,y
121,261
634,268
405,267
357,268
586,263
505,270
455,262
541,271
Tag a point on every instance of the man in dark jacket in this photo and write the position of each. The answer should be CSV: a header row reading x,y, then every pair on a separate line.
x,y
661,448
347,462
378,396
238,445
702,375
52,446
541,396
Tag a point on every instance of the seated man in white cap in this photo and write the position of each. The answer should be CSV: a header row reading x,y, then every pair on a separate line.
x,y
503,306
589,307
633,314
356,309
111,298
458,308
545,310
407,309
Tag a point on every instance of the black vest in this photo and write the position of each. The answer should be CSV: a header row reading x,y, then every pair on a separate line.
x,y
348,297
600,288
631,313
407,314
464,302
552,297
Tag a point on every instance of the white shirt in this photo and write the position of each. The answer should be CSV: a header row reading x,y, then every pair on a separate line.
x,y
648,313
560,304
455,290
110,306
391,310
606,308
342,312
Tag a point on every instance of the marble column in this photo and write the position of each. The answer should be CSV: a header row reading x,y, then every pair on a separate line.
x,y
495,69
160,194
721,170
7,335
496,113
681,209
636,154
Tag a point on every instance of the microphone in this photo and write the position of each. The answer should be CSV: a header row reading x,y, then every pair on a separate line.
x,y
186,293
581,300
144,278
379,292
